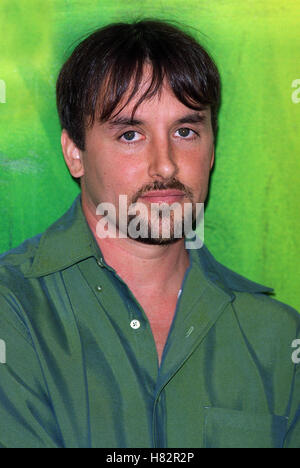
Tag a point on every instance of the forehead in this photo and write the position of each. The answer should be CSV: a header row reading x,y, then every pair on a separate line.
x,y
163,103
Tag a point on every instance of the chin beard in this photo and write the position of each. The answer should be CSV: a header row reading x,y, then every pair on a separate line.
x,y
155,240
143,232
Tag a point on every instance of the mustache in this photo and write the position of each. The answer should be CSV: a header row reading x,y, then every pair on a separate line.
x,y
158,185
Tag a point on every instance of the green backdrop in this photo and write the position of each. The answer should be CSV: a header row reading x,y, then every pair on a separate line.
x,y
252,218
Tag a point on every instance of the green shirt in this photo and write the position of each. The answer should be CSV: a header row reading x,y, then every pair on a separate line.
x,y
81,363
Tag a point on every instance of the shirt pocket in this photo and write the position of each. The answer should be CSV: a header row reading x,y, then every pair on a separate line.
x,y
225,428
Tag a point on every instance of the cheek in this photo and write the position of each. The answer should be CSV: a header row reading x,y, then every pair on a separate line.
x,y
195,175
196,171
128,171
118,176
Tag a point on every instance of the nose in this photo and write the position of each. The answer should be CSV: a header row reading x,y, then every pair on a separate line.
x,y
162,163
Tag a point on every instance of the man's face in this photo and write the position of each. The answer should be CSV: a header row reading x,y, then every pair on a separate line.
x,y
165,155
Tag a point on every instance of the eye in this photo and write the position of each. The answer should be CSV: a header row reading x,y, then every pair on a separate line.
x,y
130,137
186,133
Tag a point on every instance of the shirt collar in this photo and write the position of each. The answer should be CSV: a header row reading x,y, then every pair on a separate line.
x,y
222,276
70,240
66,242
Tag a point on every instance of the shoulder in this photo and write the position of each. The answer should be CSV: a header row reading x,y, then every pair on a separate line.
x,y
15,263
253,303
48,251
263,316
14,288
272,315
268,328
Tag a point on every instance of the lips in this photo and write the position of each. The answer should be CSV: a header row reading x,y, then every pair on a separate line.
x,y
163,196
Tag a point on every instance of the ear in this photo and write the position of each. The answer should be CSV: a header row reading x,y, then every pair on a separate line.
x,y
72,155
212,158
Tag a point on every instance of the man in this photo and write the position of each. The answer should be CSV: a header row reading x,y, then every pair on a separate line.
x,y
138,341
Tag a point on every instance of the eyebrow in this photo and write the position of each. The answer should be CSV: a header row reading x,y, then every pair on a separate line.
x,y
194,117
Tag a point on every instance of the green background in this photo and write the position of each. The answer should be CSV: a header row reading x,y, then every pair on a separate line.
x,y
252,218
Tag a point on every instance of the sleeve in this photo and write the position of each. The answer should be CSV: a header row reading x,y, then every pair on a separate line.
x,y
26,416
293,435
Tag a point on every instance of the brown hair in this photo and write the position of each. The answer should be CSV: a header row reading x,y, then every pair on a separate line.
x,y
115,56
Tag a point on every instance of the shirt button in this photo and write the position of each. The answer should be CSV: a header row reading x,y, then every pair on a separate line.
x,y
98,288
135,324
100,263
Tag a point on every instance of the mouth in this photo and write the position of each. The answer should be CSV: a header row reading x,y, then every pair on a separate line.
x,y
163,196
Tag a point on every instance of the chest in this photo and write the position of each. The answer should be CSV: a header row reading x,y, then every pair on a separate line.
x,y
160,313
